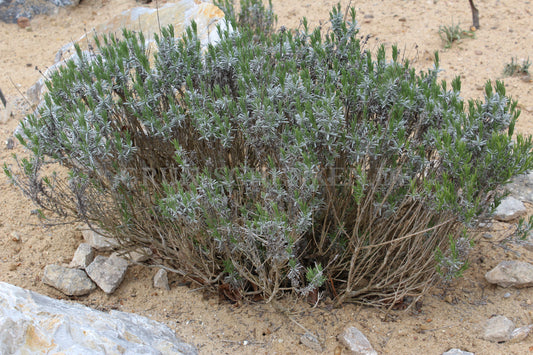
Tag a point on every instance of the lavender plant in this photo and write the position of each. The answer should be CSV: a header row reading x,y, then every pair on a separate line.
x,y
273,161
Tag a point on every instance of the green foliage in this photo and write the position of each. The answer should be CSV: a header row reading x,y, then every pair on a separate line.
x,y
523,228
514,68
453,33
273,161
452,264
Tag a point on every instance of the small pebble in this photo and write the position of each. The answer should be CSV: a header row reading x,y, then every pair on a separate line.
x,y
507,295
15,237
10,143
23,22
487,236
402,19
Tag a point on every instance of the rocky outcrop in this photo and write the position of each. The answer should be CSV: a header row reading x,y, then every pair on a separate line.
x,y
31,323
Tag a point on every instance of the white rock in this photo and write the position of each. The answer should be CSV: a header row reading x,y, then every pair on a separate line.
x,y
161,279
498,329
509,209
356,342
31,323
511,273
107,273
83,256
71,282
98,241
457,352
521,333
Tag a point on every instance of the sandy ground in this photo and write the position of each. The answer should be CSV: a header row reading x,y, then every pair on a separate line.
x,y
452,316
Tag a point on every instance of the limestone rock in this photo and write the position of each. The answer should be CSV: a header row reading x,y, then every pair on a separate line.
x,y
31,323
356,342
457,352
511,273
498,329
107,273
180,14
83,256
71,282
161,279
11,10
509,209
98,241
521,333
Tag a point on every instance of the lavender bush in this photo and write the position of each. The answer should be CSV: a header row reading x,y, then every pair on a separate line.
x,y
274,161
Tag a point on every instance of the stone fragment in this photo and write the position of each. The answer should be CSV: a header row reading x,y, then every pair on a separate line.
x,y
23,22
98,241
10,143
498,329
511,273
71,282
311,342
509,209
356,342
15,236
12,10
521,333
161,279
31,323
457,352
83,256
107,273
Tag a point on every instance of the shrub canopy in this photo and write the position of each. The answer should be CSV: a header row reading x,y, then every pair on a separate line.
x,y
274,160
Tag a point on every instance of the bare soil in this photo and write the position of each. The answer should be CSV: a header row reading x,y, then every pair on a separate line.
x,y
451,315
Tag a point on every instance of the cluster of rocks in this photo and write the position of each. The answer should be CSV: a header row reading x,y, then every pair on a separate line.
x,y
87,271
512,273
